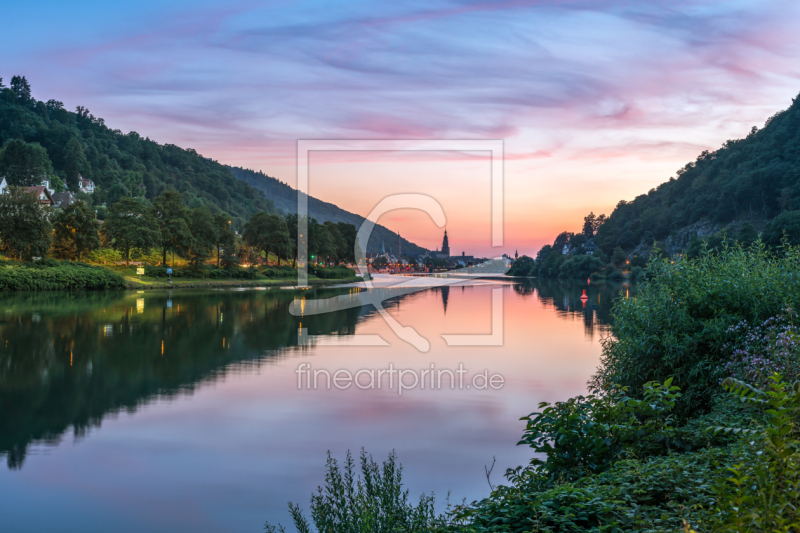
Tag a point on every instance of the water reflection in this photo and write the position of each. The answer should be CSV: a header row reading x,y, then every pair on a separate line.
x,y
69,360
565,297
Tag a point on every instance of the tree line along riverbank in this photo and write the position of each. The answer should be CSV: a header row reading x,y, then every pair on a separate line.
x,y
690,423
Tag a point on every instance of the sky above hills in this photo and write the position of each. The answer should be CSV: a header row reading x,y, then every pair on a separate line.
x,y
595,101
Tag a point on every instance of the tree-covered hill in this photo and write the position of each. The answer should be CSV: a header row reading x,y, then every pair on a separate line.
x,y
42,138
755,178
285,198
120,164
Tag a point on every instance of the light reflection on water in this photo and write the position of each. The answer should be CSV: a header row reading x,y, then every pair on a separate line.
x,y
162,411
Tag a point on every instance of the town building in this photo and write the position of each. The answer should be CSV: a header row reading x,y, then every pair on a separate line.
x,y
444,253
3,185
42,194
63,199
85,185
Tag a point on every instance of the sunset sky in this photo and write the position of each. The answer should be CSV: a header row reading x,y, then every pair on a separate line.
x,y
595,101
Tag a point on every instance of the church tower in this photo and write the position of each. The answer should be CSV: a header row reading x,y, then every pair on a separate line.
x,y
445,245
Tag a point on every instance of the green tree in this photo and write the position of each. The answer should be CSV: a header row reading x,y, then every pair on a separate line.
x,y
76,231
225,239
320,243
589,225
747,234
521,267
338,244
20,85
24,164
73,161
204,236
130,224
618,258
349,233
25,226
292,223
787,223
267,232
172,216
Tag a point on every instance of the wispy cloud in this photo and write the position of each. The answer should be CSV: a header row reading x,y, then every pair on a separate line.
x,y
610,80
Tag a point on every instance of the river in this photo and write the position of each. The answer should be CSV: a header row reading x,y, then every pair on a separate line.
x,y
193,409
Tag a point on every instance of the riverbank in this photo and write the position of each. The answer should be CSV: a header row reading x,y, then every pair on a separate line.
x,y
145,284
53,275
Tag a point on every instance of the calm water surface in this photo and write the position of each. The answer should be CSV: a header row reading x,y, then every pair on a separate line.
x,y
172,411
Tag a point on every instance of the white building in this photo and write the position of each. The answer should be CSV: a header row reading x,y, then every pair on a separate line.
x,y
46,184
3,185
85,185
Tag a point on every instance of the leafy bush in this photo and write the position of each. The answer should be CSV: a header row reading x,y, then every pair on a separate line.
x,y
337,272
206,272
764,349
763,490
279,272
650,494
679,323
374,501
49,274
585,435
636,273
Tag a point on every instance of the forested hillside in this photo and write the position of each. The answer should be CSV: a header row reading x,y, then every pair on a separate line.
x,y
285,198
120,164
755,178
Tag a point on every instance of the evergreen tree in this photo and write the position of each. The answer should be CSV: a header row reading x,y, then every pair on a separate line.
x,y
22,88
589,225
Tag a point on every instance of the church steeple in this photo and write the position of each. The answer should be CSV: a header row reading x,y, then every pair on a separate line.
x,y
445,244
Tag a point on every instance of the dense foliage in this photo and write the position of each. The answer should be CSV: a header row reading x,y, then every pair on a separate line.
x,y
679,325
120,164
75,231
758,176
25,227
49,274
285,198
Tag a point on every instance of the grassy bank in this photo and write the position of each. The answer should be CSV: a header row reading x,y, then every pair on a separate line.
x,y
692,425
50,274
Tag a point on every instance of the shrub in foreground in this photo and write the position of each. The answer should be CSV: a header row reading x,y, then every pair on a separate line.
x,y
680,322
374,501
